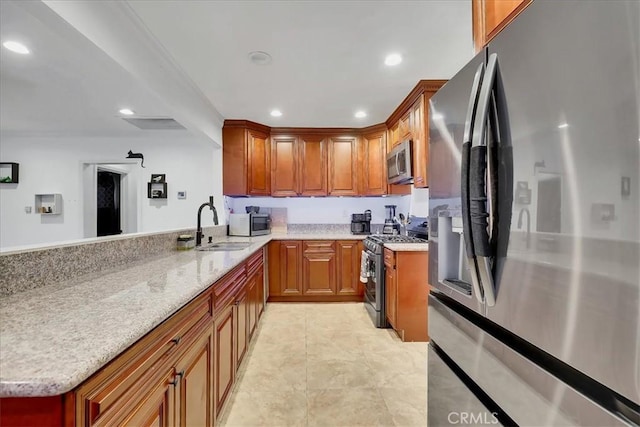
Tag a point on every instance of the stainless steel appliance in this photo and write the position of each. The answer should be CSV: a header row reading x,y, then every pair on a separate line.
x,y
418,227
535,316
399,170
361,223
249,224
374,295
391,225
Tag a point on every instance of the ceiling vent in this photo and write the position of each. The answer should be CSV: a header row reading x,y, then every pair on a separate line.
x,y
153,123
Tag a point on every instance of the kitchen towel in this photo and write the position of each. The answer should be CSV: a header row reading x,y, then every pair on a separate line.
x,y
364,268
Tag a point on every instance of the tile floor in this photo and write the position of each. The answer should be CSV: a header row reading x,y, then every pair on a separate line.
x,y
326,365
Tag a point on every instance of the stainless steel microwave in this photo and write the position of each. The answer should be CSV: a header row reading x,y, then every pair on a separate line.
x,y
399,170
249,224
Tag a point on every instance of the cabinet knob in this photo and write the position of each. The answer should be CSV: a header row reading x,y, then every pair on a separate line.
x,y
177,378
176,340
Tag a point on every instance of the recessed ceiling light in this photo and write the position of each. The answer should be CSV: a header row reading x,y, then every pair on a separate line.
x,y
563,125
360,114
127,112
276,113
393,59
16,47
260,58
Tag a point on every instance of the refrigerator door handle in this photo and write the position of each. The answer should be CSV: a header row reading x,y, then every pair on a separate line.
x,y
478,184
464,193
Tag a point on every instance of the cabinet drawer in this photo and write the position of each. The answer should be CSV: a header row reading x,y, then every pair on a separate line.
x,y
104,389
255,262
389,257
319,246
225,289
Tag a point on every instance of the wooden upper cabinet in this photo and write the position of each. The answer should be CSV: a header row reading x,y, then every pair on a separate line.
x,y
373,176
491,16
313,165
284,163
259,164
393,136
420,146
343,166
246,155
404,126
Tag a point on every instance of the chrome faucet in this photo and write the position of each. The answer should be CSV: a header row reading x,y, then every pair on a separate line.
x,y
528,236
215,219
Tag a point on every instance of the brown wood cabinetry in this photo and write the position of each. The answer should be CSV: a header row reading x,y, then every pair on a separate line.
x,y
315,270
348,267
284,162
373,175
420,142
313,165
343,166
181,373
491,16
407,290
319,268
405,126
246,153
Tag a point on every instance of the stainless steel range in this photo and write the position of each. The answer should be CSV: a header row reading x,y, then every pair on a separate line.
x,y
374,295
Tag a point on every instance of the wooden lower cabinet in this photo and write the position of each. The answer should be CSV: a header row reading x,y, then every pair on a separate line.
x,y
224,355
406,293
315,270
179,374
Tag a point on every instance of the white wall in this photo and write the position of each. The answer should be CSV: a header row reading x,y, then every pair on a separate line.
x,y
325,210
54,165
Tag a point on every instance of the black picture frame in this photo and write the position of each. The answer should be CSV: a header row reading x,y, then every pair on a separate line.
x,y
158,178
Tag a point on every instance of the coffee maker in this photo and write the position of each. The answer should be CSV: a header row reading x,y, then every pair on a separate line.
x,y
391,225
361,223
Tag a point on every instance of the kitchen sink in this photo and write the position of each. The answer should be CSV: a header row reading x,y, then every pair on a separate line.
x,y
225,246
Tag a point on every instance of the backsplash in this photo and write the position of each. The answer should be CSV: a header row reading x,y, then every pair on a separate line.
x,y
21,271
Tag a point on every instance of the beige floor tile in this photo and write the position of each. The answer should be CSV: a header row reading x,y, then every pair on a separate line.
x,y
336,373
284,408
274,372
280,344
348,408
408,406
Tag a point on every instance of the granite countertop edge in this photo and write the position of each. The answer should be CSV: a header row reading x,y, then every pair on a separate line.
x,y
92,319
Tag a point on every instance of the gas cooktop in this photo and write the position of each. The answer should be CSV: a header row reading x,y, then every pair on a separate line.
x,y
391,238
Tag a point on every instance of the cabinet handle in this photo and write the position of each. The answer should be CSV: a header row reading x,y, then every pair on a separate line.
x,y
176,340
177,378
237,303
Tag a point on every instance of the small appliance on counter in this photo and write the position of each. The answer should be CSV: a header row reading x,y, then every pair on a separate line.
x,y
249,224
361,223
418,227
391,225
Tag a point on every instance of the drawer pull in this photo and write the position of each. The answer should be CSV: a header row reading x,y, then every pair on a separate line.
x,y
176,340
177,378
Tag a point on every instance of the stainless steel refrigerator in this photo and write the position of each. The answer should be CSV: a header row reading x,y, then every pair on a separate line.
x,y
534,313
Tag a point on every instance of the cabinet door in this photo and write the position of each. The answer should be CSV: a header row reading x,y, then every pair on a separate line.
x,y
319,273
404,127
252,313
394,136
343,161
157,408
348,276
313,166
260,293
224,351
373,172
491,16
420,147
391,293
242,326
290,271
284,166
195,373
259,164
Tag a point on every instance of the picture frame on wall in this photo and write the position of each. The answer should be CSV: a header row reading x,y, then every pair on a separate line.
x,y
158,178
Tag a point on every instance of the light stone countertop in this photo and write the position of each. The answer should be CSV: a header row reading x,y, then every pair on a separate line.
x,y
407,247
54,337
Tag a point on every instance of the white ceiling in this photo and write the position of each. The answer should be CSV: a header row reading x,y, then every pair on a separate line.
x,y
327,55
67,85
327,61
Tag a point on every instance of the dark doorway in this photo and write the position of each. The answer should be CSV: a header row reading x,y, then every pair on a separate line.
x,y
108,203
549,212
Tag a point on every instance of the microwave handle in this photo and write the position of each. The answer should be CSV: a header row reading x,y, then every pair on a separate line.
x,y
397,165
